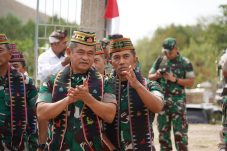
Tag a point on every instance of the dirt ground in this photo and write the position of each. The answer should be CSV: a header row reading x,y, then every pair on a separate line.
x,y
202,137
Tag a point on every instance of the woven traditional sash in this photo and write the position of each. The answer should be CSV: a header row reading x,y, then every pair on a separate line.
x,y
32,126
17,106
89,121
139,119
112,130
61,85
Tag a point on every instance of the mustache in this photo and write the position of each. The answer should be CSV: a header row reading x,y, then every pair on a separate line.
x,y
84,62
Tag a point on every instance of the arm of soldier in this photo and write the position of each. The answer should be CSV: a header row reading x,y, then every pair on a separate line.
x,y
154,76
105,109
224,69
189,76
42,131
153,73
187,82
152,101
47,111
224,73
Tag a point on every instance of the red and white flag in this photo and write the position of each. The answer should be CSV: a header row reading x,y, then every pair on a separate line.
x,y
112,16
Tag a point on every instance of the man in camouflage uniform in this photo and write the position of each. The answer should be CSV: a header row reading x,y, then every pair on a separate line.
x,y
75,100
223,134
131,128
17,98
174,72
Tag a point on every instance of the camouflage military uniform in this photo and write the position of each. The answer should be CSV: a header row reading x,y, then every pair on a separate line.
x,y
30,135
223,133
223,79
174,111
74,135
125,128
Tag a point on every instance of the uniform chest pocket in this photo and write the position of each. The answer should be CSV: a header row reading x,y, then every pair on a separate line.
x,y
179,70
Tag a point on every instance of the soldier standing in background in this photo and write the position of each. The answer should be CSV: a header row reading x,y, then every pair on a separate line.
x,y
223,134
174,72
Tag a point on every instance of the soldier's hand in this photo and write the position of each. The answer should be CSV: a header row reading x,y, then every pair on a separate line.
x,y
71,96
131,77
169,76
158,74
82,91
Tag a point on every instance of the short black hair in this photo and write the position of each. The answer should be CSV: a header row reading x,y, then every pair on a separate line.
x,y
115,36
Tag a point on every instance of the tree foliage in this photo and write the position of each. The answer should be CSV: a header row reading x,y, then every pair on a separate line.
x,y
202,44
23,34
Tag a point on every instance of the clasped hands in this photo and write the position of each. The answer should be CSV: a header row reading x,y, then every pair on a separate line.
x,y
166,75
80,92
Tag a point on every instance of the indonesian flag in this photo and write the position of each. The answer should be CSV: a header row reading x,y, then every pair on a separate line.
x,y
112,17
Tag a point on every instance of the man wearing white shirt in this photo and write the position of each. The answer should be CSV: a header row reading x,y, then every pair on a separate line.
x,y
53,60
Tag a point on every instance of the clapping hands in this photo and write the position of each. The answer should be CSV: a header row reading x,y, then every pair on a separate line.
x,y
80,92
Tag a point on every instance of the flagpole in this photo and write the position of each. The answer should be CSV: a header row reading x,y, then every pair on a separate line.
x,y
108,27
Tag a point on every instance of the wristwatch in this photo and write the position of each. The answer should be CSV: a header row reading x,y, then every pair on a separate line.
x,y
41,146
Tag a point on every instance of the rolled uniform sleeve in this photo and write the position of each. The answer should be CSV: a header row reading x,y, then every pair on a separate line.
x,y
45,91
32,92
224,68
189,69
109,91
156,89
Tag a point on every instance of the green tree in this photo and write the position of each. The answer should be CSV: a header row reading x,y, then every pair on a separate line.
x,y
201,43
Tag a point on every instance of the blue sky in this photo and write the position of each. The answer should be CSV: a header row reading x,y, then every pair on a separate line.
x,y
140,18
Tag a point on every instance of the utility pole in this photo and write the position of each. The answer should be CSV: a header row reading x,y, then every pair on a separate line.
x,y
95,21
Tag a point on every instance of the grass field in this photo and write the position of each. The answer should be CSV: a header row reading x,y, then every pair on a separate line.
x,y
202,137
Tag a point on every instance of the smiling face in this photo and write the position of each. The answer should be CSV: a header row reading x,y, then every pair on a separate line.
x,y
122,60
81,57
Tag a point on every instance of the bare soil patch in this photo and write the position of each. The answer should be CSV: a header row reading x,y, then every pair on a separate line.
x,y
202,137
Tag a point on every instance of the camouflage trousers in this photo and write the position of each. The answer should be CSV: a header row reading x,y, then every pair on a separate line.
x,y
222,146
173,115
